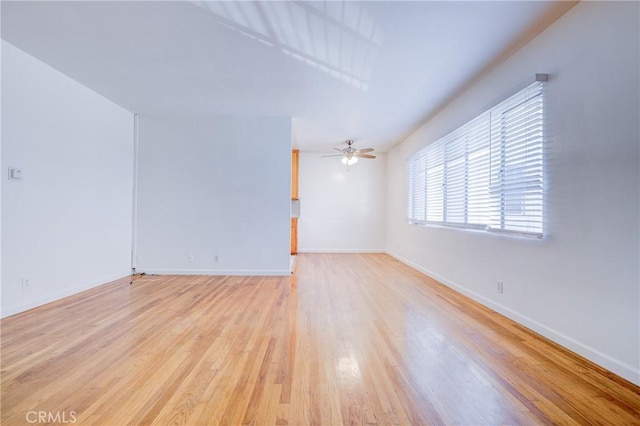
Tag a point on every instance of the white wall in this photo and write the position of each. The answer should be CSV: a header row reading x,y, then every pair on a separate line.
x,y
212,187
2,168
342,208
580,285
67,225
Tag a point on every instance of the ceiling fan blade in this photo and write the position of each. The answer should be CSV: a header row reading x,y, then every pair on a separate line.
x,y
332,155
338,149
365,150
364,155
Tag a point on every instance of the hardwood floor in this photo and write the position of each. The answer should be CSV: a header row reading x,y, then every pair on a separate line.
x,y
349,339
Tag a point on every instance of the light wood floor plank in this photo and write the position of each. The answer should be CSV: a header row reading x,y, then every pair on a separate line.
x,y
349,339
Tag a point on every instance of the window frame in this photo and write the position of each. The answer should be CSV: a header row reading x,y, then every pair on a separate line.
x,y
490,204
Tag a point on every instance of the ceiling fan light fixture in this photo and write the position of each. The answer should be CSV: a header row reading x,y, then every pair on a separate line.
x,y
351,155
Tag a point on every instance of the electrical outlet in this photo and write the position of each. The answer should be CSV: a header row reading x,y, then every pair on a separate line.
x,y
500,287
216,258
26,284
190,258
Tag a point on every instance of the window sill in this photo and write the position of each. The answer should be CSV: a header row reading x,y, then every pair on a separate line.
x,y
478,229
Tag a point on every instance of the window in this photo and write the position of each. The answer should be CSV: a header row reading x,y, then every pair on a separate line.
x,y
488,174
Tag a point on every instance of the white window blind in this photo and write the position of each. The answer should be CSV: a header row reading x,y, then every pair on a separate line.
x,y
488,173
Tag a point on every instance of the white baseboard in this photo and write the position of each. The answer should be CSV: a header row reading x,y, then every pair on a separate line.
x,y
61,294
342,251
216,272
618,367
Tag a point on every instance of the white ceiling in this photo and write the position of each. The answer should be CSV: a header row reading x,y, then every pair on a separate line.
x,y
371,71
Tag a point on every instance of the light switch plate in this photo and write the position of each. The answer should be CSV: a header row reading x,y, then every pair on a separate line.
x,y
15,174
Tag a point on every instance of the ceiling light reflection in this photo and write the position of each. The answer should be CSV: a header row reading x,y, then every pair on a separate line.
x,y
348,368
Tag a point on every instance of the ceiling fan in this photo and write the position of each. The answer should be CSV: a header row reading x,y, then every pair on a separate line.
x,y
350,154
